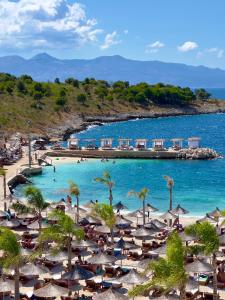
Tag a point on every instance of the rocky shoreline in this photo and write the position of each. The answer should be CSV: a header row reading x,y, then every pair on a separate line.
x,y
73,123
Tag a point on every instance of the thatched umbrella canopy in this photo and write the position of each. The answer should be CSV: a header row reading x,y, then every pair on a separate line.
x,y
26,216
110,294
179,210
216,213
207,218
136,214
191,285
168,216
101,259
10,223
142,264
143,233
149,208
6,285
222,239
61,256
133,277
78,273
158,224
89,204
161,250
186,237
153,227
91,220
83,244
51,290
119,206
121,244
105,229
33,270
35,225
199,266
122,222
3,214
166,297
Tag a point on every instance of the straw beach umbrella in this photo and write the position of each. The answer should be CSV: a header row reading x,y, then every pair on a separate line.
x,y
167,297
179,211
119,206
10,223
33,270
78,273
35,225
122,222
168,216
101,259
26,216
143,233
191,285
61,256
216,213
91,220
51,290
121,244
222,239
187,237
105,229
6,285
199,266
142,264
110,294
3,214
158,224
133,277
83,244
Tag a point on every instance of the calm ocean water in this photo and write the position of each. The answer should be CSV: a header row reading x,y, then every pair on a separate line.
x,y
217,93
199,185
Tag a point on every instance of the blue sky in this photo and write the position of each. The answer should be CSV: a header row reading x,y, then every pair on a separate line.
x,y
184,31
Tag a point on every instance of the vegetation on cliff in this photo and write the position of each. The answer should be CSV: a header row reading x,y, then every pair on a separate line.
x,y
49,103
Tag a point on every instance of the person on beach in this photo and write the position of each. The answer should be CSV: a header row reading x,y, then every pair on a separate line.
x,y
54,169
69,199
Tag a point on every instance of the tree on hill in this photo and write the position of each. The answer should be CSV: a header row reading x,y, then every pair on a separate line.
x,y
72,81
81,98
202,94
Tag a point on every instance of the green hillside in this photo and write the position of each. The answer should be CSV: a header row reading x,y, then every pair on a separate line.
x,y
48,104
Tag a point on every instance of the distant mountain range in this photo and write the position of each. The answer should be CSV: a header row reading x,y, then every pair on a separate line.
x,y
44,67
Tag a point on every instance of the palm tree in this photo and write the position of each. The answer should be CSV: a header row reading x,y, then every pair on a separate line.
x,y
62,233
106,214
3,175
208,242
170,185
168,273
107,180
36,203
75,191
12,255
142,196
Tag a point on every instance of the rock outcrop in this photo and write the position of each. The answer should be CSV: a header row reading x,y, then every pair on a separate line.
x,y
199,153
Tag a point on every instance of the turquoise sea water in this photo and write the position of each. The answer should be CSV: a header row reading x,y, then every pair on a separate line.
x,y
217,93
199,185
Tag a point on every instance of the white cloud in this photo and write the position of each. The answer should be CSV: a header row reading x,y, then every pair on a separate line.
x,y
36,23
154,47
125,31
110,40
187,46
217,51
